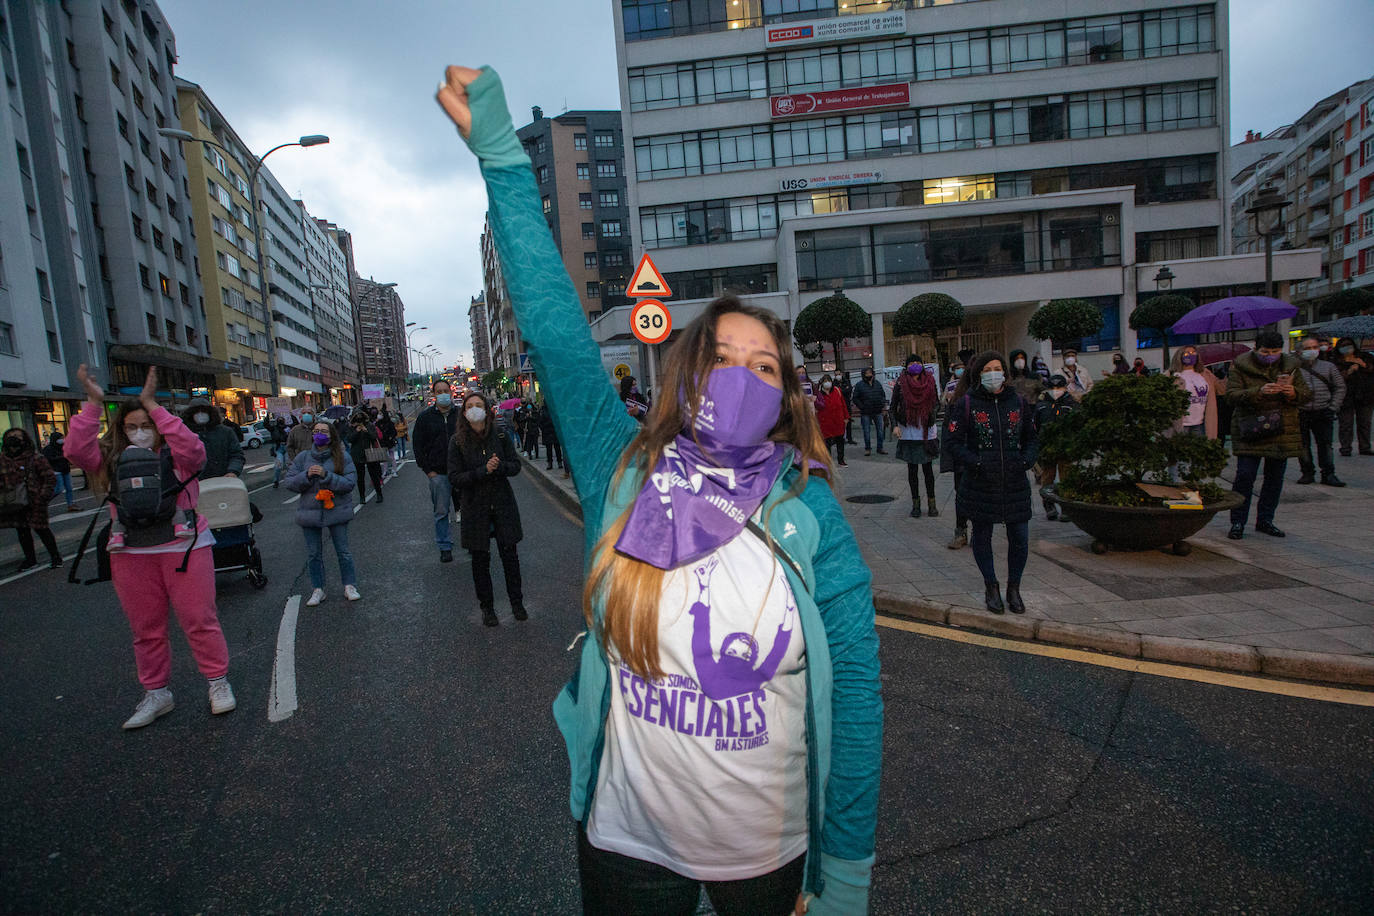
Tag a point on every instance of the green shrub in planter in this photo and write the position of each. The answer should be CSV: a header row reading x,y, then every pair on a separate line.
x,y
1119,436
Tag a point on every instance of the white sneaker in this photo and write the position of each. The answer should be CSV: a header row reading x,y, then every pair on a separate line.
x,y
221,697
315,597
155,703
351,592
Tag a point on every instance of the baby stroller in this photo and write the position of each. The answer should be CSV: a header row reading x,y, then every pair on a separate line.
x,y
224,504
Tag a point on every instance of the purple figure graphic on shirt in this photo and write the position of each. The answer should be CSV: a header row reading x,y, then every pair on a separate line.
x,y
733,673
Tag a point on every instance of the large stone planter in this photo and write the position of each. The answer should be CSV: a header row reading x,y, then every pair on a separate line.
x,y
1140,527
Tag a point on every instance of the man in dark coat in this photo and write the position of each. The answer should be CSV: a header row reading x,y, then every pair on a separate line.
x,y
1265,385
870,400
223,454
433,428
550,435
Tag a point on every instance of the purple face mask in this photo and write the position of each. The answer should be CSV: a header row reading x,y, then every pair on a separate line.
x,y
737,408
321,439
915,368
1267,359
1189,359
698,497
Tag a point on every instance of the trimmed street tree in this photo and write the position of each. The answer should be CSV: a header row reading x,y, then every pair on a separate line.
x,y
1062,320
1158,313
830,320
1357,300
927,315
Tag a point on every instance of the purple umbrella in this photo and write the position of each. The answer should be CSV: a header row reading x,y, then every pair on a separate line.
x,y
1233,314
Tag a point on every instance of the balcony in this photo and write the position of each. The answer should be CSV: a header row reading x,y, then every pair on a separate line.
x,y
1320,224
1318,160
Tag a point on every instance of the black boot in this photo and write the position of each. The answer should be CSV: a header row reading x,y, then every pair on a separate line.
x,y
915,507
992,597
489,617
517,610
1051,511
1014,602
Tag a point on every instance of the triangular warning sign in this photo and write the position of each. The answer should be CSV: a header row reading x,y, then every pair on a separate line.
x,y
648,281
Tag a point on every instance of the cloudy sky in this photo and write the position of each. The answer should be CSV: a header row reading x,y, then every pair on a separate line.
x,y
364,72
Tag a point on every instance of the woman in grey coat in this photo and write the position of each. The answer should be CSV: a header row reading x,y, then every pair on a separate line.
x,y
325,478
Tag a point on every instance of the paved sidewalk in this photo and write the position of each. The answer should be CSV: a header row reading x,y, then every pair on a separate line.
x,y
1300,606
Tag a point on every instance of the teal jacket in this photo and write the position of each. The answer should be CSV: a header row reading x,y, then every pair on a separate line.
x,y
835,602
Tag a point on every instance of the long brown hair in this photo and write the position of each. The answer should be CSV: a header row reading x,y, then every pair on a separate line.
x,y
113,443
631,588
463,433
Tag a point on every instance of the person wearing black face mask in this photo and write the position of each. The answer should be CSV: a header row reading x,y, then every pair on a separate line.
x,y
870,400
1357,368
27,483
60,466
223,454
434,426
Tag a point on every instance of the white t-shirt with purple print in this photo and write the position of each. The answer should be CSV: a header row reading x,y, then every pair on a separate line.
x,y
704,772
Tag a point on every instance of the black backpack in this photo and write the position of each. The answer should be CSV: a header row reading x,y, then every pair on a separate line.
x,y
144,493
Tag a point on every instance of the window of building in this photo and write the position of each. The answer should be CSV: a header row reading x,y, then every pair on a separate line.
x,y
959,189
171,327
130,179
614,288
115,75
138,97
1176,244
589,231
548,205
138,225
185,292
589,259
610,228
584,201
542,173
154,331
7,339
612,259
584,171
123,124
165,284
178,251
579,141
158,239
608,198
604,140
606,170
151,190
593,289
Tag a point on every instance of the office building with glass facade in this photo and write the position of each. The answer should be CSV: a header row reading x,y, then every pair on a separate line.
x,y
1003,152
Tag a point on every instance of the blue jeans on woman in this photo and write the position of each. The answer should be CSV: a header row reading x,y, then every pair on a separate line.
x,y
64,485
314,544
1247,468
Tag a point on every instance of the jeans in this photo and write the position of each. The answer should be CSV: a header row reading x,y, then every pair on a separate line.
x,y
441,498
481,576
401,446
279,460
1018,550
1247,466
1316,425
624,886
1355,422
960,520
64,485
314,545
876,420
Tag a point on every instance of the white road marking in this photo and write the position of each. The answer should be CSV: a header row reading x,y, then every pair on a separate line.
x,y
43,567
287,502
282,702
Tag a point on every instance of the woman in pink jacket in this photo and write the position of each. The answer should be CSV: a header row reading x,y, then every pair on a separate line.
x,y
146,577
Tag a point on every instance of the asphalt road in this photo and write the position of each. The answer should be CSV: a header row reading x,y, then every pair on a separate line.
x,y
422,771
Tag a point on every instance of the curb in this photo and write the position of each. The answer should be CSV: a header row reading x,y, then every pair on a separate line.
x,y
1290,664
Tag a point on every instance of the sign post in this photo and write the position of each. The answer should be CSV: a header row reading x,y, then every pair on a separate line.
x,y
650,320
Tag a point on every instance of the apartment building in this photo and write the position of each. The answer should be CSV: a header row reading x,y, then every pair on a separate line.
x,y
477,328
295,335
382,329
503,337
1317,164
579,164
331,306
1003,152
352,356
99,251
218,168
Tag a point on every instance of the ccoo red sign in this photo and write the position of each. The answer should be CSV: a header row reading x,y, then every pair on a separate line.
x,y
814,103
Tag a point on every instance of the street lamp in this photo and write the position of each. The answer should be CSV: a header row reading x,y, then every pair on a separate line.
x,y
1268,213
264,284
1164,280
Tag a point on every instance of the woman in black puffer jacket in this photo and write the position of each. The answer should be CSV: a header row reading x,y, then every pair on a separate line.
x,y
990,431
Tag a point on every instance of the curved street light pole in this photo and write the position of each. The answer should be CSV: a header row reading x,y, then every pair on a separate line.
x,y
264,284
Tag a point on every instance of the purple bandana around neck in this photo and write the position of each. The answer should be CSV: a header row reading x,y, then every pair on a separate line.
x,y
699,497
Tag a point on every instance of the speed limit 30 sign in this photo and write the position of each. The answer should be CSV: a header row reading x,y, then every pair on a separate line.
x,y
651,321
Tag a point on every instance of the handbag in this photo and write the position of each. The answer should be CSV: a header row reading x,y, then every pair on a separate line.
x,y
933,448
374,455
1260,426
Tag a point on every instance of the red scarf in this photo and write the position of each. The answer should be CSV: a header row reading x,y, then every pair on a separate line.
x,y
918,398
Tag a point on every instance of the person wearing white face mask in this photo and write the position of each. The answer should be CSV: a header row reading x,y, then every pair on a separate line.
x,y
991,433
1079,381
1317,418
1056,402
434,426
481,461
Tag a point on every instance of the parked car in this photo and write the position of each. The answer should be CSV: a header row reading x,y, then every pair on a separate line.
x,y
254,434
